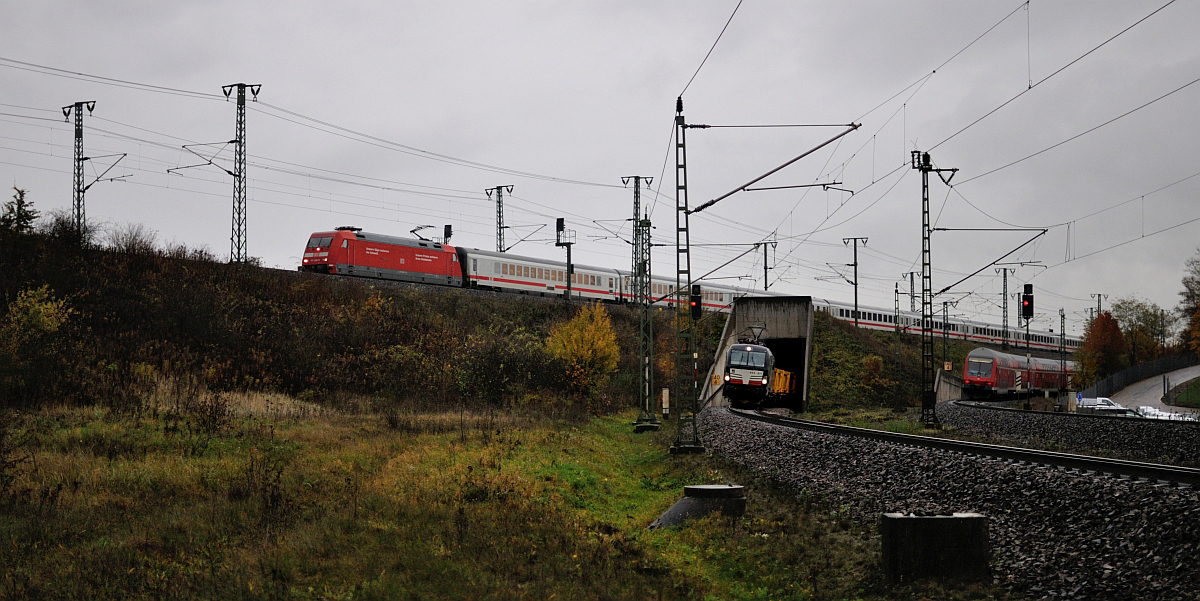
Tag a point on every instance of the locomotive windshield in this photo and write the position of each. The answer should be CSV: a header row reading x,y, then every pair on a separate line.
x,y
979,368
315,241
742,358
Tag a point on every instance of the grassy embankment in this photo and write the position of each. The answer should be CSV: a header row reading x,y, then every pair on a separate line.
x,y
871,379
198,430
1190,397
260,496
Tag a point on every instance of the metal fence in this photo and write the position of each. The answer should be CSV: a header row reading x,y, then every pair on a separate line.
x,y
1137,373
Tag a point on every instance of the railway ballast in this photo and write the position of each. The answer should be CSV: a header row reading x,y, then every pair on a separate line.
x,y
1054,533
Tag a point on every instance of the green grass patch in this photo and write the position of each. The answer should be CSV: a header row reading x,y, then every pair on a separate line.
x,y
1190,397
345,507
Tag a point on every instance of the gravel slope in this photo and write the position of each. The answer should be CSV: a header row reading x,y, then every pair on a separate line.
x,y
1054,534
1155,441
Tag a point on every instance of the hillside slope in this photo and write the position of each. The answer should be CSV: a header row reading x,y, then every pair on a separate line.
x,y
132,319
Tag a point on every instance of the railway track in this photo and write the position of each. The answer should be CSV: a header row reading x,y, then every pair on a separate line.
x,y
1152,472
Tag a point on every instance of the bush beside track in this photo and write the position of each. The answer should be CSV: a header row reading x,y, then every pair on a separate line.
x,y
137,319
1154,441
1053,533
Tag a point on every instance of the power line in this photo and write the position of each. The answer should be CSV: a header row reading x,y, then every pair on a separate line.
x,y
944,63
412,150
1081,134
121,83
714,47
1042,80
339,130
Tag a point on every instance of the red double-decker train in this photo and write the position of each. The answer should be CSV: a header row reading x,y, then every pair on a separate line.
x,y
990,373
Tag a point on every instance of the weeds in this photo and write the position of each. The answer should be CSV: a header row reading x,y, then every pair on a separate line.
x,y
12,457
344,506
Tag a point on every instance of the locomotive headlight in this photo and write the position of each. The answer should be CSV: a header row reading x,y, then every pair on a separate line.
x,y
764,380
726,377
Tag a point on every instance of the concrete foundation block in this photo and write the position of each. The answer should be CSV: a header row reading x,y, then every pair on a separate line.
x,y
703,499
935,547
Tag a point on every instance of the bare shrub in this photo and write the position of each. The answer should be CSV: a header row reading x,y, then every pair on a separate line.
x,y
60,225
132,238
212,413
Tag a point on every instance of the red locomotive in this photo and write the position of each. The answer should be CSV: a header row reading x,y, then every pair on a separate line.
x,y
350,251
990,373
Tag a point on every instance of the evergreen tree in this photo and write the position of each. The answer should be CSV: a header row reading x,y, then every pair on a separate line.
x,y
19,214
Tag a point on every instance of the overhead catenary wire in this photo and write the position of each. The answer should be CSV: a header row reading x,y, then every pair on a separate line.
x,y
338,130
1044,79
1081,134
710,50
850,204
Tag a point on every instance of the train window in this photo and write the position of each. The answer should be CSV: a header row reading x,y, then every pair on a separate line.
x,y
475,265
610,283
345,243
503,268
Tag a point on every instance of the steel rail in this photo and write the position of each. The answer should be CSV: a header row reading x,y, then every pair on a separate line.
x,y
1154,472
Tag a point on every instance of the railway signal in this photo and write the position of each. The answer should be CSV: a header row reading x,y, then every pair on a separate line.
x,y
695,303
1027,302
565,237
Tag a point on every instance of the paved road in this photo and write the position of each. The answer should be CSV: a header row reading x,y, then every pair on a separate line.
x,y
1149,392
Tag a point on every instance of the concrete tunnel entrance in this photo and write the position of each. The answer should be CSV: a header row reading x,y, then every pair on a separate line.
x,y
784,324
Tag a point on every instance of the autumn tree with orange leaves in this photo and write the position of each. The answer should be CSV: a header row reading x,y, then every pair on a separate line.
x,y
1102,349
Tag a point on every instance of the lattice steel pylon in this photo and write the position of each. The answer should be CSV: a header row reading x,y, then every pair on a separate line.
x,y
499,190
237,240
686,368
1004,271
641,300
922,162
78,216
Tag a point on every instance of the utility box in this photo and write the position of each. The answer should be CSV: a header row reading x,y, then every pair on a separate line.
x,y
935,547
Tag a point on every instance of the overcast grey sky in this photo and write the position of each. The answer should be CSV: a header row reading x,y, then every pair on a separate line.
x,y
586,92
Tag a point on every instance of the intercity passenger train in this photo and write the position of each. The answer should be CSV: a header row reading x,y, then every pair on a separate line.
x,y
352,252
